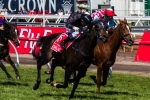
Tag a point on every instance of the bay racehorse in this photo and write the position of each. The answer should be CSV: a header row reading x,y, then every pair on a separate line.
x,y
105,53
9,33
77,57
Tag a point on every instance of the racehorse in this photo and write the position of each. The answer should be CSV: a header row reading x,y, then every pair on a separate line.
x,y
9,33
77,57
105,53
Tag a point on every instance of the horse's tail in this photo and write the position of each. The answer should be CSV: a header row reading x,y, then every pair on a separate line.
x,y
36,52
41,40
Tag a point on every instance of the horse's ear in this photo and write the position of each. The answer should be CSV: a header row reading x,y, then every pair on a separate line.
x,y
125,20
15,24
119,21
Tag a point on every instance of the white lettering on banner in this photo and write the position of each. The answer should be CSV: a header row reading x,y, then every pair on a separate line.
x,y
30,35
33,43
34,4
40,4
21,5
46,32
9,6
37,4
53,5
22,31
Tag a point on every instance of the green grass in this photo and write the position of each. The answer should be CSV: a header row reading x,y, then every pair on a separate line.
x,y
119,87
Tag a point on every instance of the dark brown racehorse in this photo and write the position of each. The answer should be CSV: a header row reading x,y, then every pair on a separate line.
x,y
9,33
105,53
77,57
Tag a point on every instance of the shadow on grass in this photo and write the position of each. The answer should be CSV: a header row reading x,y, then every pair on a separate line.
x,y
108,93
76,96
120,93
14,83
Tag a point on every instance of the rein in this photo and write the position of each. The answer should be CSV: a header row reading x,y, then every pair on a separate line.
x,y
122,36
81,52
89,28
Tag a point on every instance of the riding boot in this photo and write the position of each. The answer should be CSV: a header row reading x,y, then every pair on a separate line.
x,y
63,43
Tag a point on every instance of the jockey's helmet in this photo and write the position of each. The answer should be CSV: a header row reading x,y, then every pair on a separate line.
x,y
110,12
86,19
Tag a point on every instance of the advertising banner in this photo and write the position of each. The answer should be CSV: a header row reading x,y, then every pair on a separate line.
x,y
29,35
51,5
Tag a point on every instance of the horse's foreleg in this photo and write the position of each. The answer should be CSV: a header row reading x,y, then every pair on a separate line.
x,y
79,76
5,70
8,60
105,75
99,75
67,76
38,81
73,76
53,66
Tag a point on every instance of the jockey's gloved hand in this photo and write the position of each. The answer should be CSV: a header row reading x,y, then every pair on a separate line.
x,y
76,28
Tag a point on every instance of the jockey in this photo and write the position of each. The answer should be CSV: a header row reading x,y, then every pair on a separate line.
x,y
2,21
106,16
75,24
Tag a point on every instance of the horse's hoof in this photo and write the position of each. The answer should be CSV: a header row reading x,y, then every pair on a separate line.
x,y
61,86
10,79
53,84
18,78
48,81
35,87
48,72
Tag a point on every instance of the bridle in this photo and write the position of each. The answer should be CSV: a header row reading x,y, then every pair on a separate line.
x,y
121,31
6,35
123,36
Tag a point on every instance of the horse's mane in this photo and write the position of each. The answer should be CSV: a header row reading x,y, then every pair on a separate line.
x,y
8,27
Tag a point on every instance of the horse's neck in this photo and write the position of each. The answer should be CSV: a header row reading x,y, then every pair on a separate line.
x,y
88,43
3,40
114,40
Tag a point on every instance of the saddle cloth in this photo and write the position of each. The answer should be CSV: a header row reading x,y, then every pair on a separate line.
x,y
56,45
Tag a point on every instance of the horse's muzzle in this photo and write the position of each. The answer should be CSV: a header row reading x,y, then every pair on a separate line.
x,y
130,42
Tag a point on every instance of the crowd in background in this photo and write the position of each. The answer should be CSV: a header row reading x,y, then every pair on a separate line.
x,y
5,11
32,12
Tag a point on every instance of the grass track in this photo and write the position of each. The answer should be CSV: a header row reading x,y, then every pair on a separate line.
x,y
119,87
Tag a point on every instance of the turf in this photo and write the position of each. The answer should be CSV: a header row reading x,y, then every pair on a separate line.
x,y
119,87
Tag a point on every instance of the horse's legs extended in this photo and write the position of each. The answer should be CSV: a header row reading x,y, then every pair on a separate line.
x,y
53,66
67,76
8,60
105,75
40,62
5,70
73,76
99,75
80,74
38,81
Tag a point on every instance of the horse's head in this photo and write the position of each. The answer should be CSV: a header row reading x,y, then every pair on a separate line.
x,y
12,33
126,32
99,28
